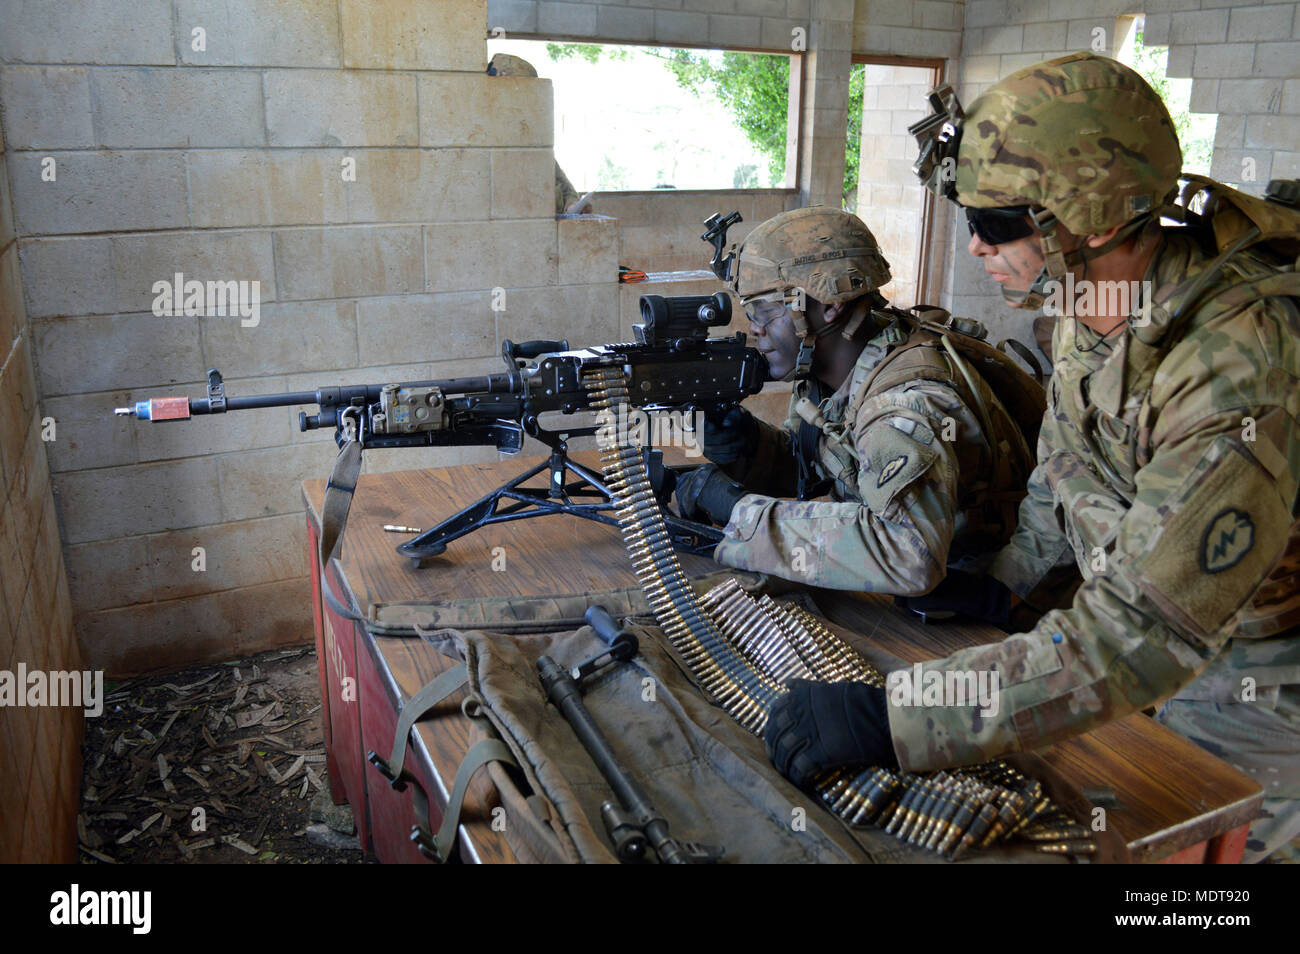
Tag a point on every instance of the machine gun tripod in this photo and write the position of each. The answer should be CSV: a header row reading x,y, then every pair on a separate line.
x,y
513,501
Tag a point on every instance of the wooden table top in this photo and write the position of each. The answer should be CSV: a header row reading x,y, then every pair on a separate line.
x,y
1172,794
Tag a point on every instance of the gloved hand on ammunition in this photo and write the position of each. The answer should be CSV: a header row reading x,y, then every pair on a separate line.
x,y
706,493
733,438
819,726
979,597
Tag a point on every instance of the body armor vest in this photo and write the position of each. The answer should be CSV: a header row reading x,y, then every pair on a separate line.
x,y
1006,400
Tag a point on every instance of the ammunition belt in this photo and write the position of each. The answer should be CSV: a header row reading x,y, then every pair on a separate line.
x,y
742,650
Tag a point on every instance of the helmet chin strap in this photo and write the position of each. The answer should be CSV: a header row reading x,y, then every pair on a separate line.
x,y
1057,262
807,344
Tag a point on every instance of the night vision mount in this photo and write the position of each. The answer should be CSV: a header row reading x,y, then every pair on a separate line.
x,y
723,262
939,136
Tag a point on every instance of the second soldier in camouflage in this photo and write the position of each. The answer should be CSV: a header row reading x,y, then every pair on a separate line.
x,y
922,461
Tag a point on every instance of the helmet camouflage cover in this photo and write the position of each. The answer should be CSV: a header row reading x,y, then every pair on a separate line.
x,y
507,64
829,254
1082,136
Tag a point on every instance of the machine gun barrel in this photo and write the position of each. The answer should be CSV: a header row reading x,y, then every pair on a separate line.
x,y
327,399
634,821
252,402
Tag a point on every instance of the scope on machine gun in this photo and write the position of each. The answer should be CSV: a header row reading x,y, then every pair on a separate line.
x,y
664,321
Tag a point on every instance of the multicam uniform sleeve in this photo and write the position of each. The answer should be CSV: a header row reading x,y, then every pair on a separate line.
x,y
1212,513
896,539
1039,546
565,193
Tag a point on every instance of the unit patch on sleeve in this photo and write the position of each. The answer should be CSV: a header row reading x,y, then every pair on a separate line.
x,y
894,461
891,469
1227,540
1217,536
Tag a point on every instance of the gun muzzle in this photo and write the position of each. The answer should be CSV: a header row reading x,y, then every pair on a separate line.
x,y
158,409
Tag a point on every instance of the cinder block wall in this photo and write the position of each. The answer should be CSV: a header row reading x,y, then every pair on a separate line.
x,y
1244,61
40,748
1243,58
660,232
889,195
228,163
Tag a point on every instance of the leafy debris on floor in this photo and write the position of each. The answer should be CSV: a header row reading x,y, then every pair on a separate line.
x,y
211,765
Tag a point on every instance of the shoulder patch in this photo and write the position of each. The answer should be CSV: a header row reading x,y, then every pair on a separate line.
x,y
891,470
1227,540
893,461
1215,540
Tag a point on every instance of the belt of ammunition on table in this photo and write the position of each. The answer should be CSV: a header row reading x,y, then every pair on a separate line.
x,y
742,650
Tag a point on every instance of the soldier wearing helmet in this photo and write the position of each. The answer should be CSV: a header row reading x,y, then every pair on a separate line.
x,y
1169,458
923,461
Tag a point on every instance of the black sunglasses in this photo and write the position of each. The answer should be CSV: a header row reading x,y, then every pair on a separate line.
x,y
999,226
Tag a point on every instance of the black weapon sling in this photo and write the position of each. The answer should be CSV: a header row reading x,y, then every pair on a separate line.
x,y
805,444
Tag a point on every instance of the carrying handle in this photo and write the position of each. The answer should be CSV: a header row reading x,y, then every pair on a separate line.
x,y
531,349
622,644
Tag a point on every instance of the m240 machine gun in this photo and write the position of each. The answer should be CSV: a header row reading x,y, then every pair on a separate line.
x,y
673,365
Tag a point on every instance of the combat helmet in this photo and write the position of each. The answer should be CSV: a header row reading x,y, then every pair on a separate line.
x,y
1081,140
830,254
507,64
818,252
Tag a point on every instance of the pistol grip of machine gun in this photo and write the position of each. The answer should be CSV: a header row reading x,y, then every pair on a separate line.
x,y
663,479
715,411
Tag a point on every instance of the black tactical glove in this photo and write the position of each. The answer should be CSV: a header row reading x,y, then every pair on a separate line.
x,y
706,493
819,726
733,438
979,597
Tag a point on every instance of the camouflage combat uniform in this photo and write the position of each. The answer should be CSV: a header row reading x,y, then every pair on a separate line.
x,y
1178,518
922,487
565,193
